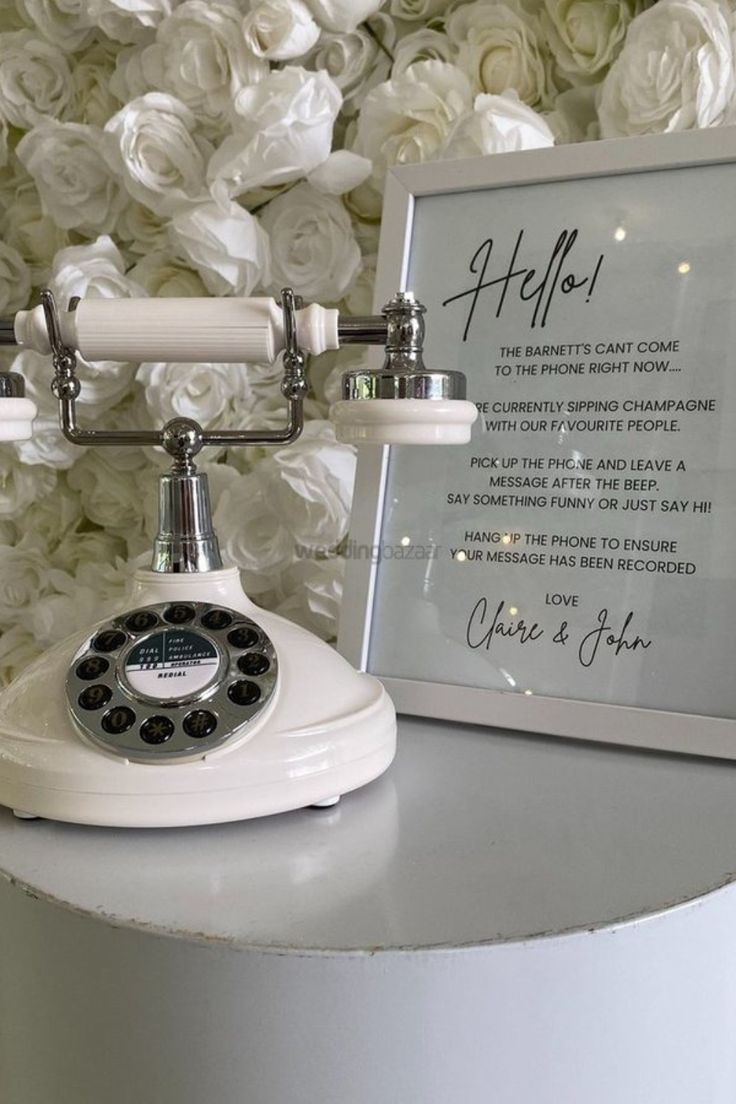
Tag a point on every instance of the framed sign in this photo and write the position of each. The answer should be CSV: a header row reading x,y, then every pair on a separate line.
x,y
573,569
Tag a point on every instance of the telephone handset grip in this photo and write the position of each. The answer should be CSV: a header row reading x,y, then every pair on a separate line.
x,y
188,330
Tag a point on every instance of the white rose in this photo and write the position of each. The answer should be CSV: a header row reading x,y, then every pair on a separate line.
x,y
575,115
354,61
20,485
11,18
141,230
48,446
53,518
225,243
202,56
423,45
340,173
315,595
313,248
128,20
64,22
342,15
262,397
282,131
130,80
104,385
161,275
15,280
18,648
111,497
501,46
12,177
676,70
97,590
35,79
203,392
97,546
368,235
96,271
152,147
280,29
54,616
361,293
498,124
109,580
261,409
73,178
417,9
34,235
586,35
251,535
23,579
309,486
93,100
408,119
129,414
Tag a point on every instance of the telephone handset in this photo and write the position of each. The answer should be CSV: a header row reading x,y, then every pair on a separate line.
x,y
192,705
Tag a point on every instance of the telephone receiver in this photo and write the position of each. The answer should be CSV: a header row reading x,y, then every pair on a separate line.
x,y
193,705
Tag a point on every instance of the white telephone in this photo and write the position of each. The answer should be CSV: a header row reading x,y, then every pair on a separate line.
x,y
193,705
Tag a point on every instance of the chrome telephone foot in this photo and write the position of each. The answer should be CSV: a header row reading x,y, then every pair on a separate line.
x,y
328,803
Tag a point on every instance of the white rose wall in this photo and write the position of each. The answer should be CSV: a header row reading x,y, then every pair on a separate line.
x,y
149,147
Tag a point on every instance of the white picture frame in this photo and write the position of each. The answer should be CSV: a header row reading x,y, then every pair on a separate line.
x,y
656,728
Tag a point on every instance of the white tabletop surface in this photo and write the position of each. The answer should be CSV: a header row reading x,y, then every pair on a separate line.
x,y
474,836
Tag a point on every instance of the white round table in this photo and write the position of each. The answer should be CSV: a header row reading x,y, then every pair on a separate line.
x,y
501,918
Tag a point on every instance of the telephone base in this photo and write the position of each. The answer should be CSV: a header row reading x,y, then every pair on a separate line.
x,y
326,730
328,803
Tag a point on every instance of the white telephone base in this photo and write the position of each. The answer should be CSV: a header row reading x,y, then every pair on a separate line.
x,y
326,729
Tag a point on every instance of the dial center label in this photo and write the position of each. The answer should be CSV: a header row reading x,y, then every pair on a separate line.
x,y
172,663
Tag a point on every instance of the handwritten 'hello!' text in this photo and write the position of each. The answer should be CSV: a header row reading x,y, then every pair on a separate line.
x,y
530,284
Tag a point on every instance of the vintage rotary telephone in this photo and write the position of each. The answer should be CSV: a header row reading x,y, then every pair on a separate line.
x,y
193,705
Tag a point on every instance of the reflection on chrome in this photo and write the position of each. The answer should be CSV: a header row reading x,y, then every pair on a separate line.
x,y
619,234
